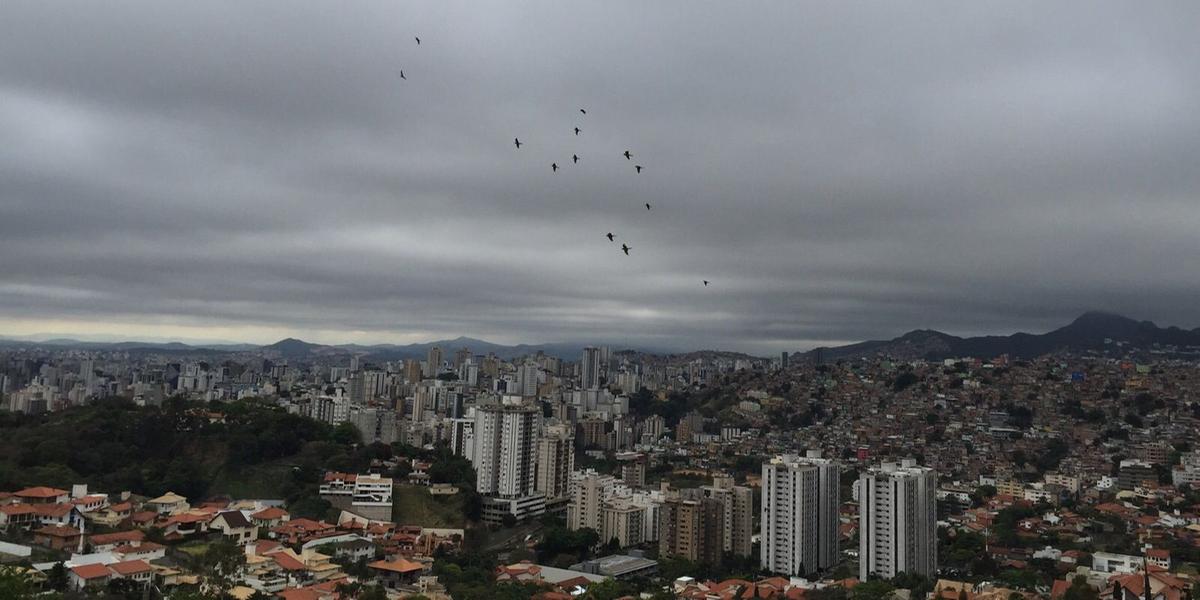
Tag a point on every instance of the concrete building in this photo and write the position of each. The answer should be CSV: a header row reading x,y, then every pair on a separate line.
x,y
590,368
375,424
622,520
369,496
800,501
737,518
505,438
897,520
692,527
555,461
587,501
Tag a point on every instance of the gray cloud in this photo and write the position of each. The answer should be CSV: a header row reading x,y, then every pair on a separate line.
x,y
838,171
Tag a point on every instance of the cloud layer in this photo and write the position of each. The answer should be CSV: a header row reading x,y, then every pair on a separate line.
x,y
838,171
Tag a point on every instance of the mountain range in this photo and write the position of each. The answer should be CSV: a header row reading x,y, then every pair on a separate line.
x,y
1092,331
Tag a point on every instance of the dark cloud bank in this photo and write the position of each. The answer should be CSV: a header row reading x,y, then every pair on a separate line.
x,y
838,171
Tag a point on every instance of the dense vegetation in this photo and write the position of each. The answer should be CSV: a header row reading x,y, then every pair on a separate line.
x,y
114,445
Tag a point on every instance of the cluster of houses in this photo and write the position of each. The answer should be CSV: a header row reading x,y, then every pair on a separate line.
x,y
152,542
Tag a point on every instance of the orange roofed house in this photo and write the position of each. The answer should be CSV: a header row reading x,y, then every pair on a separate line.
x,y
396,573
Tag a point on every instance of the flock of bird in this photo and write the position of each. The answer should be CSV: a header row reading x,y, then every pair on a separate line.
x,y
575,160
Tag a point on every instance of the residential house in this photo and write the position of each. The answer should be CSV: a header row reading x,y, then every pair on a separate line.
x,y
269,517
91,503
167,504
42,495
57,537
17,515
396,573
136,570
105,542
234,527
91,576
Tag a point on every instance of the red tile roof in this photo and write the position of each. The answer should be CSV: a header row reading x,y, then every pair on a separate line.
x,y
102,539
130,567
41,492
286,561
270,513
92,571
58,531
398,566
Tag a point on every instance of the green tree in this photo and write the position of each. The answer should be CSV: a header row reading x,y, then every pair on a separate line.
x,y
56,577
876,589
16,584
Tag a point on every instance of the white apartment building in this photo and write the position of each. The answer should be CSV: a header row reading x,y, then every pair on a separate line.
x,y
897,520
800,501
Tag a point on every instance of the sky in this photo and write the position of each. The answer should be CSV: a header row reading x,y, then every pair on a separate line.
x,y
247,171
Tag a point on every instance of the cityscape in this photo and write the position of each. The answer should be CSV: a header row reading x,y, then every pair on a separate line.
x,y
327,472
619,300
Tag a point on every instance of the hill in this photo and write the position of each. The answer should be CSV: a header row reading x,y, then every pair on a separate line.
x,y
114,445
1090,332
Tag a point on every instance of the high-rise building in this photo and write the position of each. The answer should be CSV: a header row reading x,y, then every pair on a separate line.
x,y
783,360
622,520
587,498
375,424
527,380
462,437
800,500
555,461
433,363
412,371
358,389
692,527
633,471
590,368
505,438
737,517
897,520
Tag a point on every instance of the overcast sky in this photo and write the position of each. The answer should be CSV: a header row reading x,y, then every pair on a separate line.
x,y
838,170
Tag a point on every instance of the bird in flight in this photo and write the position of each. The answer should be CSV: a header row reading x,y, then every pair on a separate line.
x,y
517,142
583,111
554,167
402,75
610,237
647,206
577,130
575,158
705,282
638,167
628,155
418,40
625,248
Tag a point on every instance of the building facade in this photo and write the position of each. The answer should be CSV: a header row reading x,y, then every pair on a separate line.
x,y
897,520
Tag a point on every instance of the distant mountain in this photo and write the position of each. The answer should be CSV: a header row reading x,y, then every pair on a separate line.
x,y
296,349
1092,331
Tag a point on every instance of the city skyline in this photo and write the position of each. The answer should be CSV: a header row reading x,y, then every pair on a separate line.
x,y
836,172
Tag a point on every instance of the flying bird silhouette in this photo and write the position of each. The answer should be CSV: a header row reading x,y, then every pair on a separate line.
x,y
647,206
575,157
577,130
638,167
583,111
402,75
625,248
554,167
517,142
705,282
418,41
610,237
628,155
